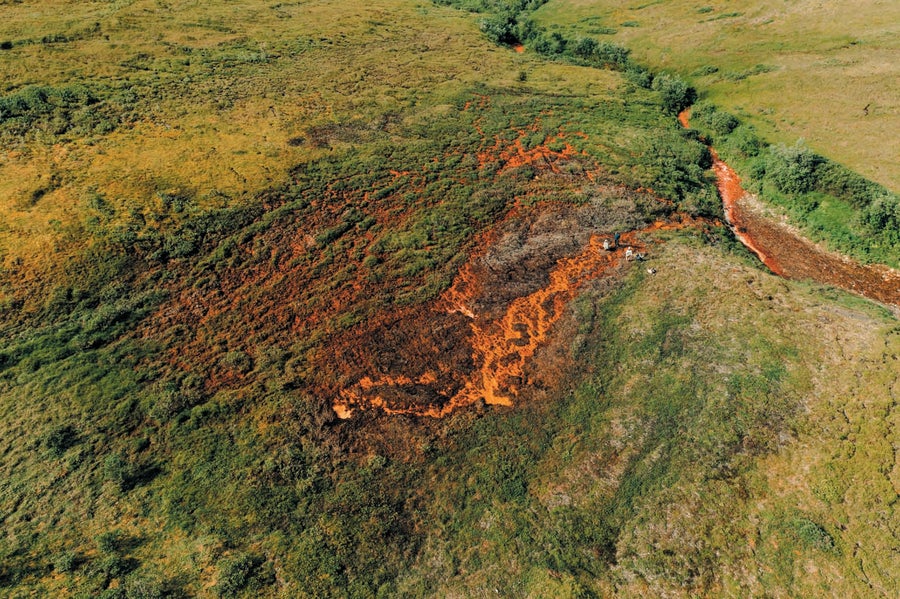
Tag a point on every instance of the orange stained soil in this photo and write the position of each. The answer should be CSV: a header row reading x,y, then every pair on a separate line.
x,y
500,348
515,155
790,255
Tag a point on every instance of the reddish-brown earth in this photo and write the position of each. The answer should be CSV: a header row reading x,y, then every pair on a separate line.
x,y
477,342
493,337
788,254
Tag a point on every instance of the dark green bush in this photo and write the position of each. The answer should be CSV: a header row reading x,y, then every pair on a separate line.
x,y
240,572
841,182
500,28
723,123
813,535
639,76
60,438
792,169
675,92
610,55
882,217
110,541
584,47
745,141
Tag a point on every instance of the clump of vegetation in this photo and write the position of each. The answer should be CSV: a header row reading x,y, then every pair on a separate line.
x,y
241,573
676,93
813,535
60,438
54,110
66,562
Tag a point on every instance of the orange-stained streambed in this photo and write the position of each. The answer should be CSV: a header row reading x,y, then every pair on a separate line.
x,y
477,343
789,255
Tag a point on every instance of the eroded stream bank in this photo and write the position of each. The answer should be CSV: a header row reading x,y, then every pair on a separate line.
x,y
788,254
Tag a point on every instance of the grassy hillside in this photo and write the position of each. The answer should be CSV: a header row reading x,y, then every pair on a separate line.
x,y
218,217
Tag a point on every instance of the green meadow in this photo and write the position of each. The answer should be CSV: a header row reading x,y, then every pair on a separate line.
x,y
825,73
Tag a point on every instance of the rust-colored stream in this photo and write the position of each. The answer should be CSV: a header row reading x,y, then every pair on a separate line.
x,y
789,255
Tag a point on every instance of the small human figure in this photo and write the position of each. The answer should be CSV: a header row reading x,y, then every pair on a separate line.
x,y
629,253
606,244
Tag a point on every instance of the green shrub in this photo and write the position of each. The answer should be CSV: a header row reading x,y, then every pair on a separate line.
x,y
882,217
744,139
723,123
639,76
60,438
792,169
611,55
238,573
584,47
119,471
676,94
500,28
110,541
813,535
66,562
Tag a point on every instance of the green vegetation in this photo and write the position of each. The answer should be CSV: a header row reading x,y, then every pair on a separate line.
x,y
275,175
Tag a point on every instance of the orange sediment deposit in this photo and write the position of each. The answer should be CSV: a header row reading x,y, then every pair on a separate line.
x,y
730,190
515,155
500,348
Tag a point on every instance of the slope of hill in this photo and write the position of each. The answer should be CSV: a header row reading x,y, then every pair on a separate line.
x,y
310,299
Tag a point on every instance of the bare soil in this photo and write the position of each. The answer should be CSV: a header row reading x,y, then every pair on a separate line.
x,y
476,344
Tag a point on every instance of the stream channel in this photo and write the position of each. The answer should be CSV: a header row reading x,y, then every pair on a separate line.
x,y
786,253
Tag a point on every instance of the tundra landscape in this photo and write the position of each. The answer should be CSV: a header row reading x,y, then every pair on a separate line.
x,y
451,298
